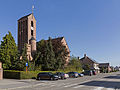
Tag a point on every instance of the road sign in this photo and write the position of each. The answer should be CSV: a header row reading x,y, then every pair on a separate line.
x,y
26,64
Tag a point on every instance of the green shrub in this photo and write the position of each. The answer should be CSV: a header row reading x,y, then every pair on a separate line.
x,y
12,74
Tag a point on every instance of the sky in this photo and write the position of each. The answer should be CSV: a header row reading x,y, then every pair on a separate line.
x,y
90,27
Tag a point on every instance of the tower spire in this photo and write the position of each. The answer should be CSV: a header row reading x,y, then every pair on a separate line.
x,y
32,10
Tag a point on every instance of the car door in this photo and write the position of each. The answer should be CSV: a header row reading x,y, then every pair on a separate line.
x,y
44,75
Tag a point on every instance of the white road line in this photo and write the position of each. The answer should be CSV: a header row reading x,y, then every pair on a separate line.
x,y
71,85
79,86
98,88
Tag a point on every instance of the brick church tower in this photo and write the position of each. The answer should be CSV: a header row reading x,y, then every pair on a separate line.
x,y
27,34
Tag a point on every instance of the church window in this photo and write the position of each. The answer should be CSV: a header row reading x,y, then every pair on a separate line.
x,y
32,32
32,23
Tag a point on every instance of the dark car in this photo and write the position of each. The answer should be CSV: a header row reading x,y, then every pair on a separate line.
x,y
61,75
88,72
47,76
73,74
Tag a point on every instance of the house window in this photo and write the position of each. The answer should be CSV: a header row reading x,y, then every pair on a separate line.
x,y
32,23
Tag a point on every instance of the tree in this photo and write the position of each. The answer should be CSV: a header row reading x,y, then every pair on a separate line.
x,y
74,64
45,56
20,63
39,55
86,67
51,54
49,58
61,53
8,51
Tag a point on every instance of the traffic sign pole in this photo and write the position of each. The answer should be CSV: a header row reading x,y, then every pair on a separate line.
x,y
26,69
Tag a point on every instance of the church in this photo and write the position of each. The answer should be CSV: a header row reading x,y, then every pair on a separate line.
x,y
27,35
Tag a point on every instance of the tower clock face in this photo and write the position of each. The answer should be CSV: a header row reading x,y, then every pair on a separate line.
x,y
32,28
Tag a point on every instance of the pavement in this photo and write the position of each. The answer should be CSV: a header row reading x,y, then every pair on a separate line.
x,y
103,81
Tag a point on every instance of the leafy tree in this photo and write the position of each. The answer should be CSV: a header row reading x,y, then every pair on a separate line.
x,y
8,51
38,57
61,53
49,58
74,64
86,67
51,54
20,64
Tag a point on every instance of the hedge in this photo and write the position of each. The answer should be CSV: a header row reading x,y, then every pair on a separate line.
x,y
12,74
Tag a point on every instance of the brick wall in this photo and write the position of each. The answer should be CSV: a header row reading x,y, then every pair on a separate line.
x,y
1,71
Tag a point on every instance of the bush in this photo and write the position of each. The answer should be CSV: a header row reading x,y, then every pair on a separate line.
x,y
12,74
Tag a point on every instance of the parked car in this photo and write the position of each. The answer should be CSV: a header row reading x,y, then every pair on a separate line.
x,y
94,72
73,74
47,75
61,75
66,75
80,74
88,72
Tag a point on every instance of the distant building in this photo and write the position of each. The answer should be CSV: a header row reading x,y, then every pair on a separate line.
x,y
112,69
1,71
27,34
92,63
104,67
117,68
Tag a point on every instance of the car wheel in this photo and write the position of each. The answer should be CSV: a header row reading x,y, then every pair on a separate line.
x,y
62,78
38,78
51,78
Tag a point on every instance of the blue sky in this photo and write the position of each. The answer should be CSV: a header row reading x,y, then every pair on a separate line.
x,y
89,26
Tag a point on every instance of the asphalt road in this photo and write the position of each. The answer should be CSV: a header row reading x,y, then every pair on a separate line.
x,y
108,81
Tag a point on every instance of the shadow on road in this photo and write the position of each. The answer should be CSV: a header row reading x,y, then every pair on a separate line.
x,y
106,84
113,77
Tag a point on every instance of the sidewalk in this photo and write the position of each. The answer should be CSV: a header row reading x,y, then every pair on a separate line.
x,y
10,84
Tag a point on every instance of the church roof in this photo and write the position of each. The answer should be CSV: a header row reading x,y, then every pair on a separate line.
x,y
25,16
58,39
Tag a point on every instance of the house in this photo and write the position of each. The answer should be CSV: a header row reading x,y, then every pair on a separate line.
x,y
1,71
104,67
93,65
117,68
112,69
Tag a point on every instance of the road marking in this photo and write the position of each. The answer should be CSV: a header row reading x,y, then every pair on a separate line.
x,y
98,88
79,86
71,85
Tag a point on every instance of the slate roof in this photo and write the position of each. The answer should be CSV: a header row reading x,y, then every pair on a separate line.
x,y
25,16
89,59
58,39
